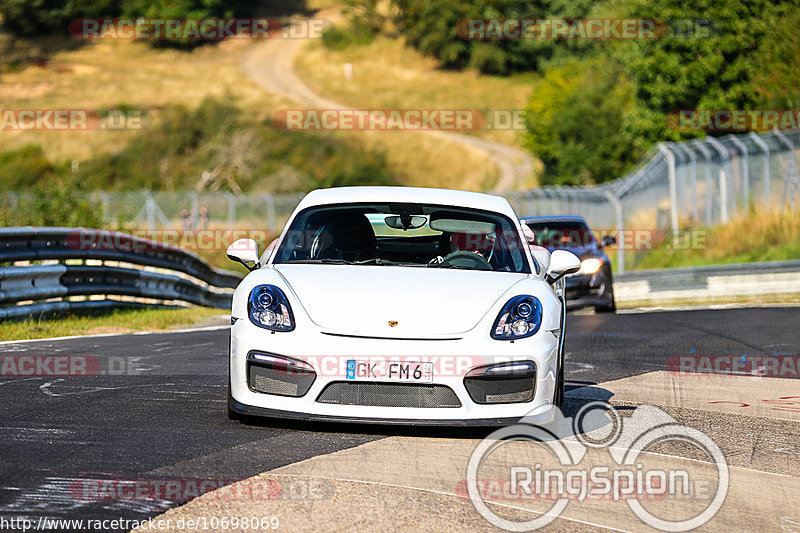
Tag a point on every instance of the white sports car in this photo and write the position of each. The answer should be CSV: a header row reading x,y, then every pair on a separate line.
x,y
399,305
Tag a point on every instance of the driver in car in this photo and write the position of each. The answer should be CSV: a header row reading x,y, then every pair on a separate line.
x,y
469,242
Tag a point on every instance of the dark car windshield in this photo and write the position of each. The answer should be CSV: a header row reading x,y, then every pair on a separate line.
x,y
419,235
562,234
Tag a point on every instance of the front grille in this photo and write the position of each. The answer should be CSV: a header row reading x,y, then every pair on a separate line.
x,y
496,389
388,394
279,381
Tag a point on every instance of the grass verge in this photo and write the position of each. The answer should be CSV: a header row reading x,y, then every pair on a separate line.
x,y
756,236
116,321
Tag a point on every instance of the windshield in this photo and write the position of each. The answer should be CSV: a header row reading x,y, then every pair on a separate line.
x,y
561,234
414,235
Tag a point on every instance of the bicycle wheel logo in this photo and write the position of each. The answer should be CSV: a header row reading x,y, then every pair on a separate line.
x,y
599,455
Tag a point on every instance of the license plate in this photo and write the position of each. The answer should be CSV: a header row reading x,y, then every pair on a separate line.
x,y
366,370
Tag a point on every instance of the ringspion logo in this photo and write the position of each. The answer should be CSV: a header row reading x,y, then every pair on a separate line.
x,y
624,472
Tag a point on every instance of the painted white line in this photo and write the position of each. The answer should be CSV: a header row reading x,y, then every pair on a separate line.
x,y
97,335
702,307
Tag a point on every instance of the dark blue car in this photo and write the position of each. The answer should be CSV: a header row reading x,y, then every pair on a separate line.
x,y
593,285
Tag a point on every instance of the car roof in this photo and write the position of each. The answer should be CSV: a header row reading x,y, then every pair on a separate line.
x,y
370,194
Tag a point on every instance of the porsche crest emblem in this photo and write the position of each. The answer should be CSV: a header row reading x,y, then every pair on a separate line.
x,y
392,323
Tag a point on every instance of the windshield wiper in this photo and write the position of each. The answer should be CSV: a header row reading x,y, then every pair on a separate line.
x,y
448,265
336,261
331,261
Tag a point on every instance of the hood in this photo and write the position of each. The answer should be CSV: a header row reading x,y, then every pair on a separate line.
x,y
424,302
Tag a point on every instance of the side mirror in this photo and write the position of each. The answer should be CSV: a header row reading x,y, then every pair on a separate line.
x,y
562,263
245,251
542,256
608,240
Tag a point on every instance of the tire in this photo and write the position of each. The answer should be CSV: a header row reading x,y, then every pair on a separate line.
x,y
558,397
232,415
612,308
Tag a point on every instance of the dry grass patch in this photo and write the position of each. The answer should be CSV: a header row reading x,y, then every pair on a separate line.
x,y
388,74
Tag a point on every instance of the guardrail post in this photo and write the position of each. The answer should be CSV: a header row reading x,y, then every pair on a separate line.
x,y
791,175
765,148
745,168
707,155
231,209
673,186
151,211
270,200
692,180
615,203
725,160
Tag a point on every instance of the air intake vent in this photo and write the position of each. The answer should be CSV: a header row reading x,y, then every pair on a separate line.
x,y
389,395
496,389
279,381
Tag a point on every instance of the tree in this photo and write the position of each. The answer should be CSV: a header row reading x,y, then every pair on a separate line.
x,y
577,123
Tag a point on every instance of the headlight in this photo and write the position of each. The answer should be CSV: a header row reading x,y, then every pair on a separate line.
x,y
590,266
519,318
268,308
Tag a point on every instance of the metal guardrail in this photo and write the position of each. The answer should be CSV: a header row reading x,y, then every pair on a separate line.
x,y
704,284
200,286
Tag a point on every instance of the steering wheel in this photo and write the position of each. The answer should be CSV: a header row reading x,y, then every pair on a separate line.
x,y
463,258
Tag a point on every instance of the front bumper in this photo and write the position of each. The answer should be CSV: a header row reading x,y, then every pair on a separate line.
x,y
452,358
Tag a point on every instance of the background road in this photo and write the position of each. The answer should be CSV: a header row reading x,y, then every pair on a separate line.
x,y
167,420
271,65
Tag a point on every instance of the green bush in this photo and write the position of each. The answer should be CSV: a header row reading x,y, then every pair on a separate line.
x,y
355,34
577,123
22,167
44,17
52,203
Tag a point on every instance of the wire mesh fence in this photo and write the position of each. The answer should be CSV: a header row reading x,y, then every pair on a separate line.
x,y
189,210
693,183
678,185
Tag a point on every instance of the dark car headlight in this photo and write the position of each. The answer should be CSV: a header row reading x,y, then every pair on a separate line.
x,y
519,318
590,265
268,308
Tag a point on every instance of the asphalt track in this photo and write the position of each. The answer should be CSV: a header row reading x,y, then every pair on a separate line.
x,y
155,411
